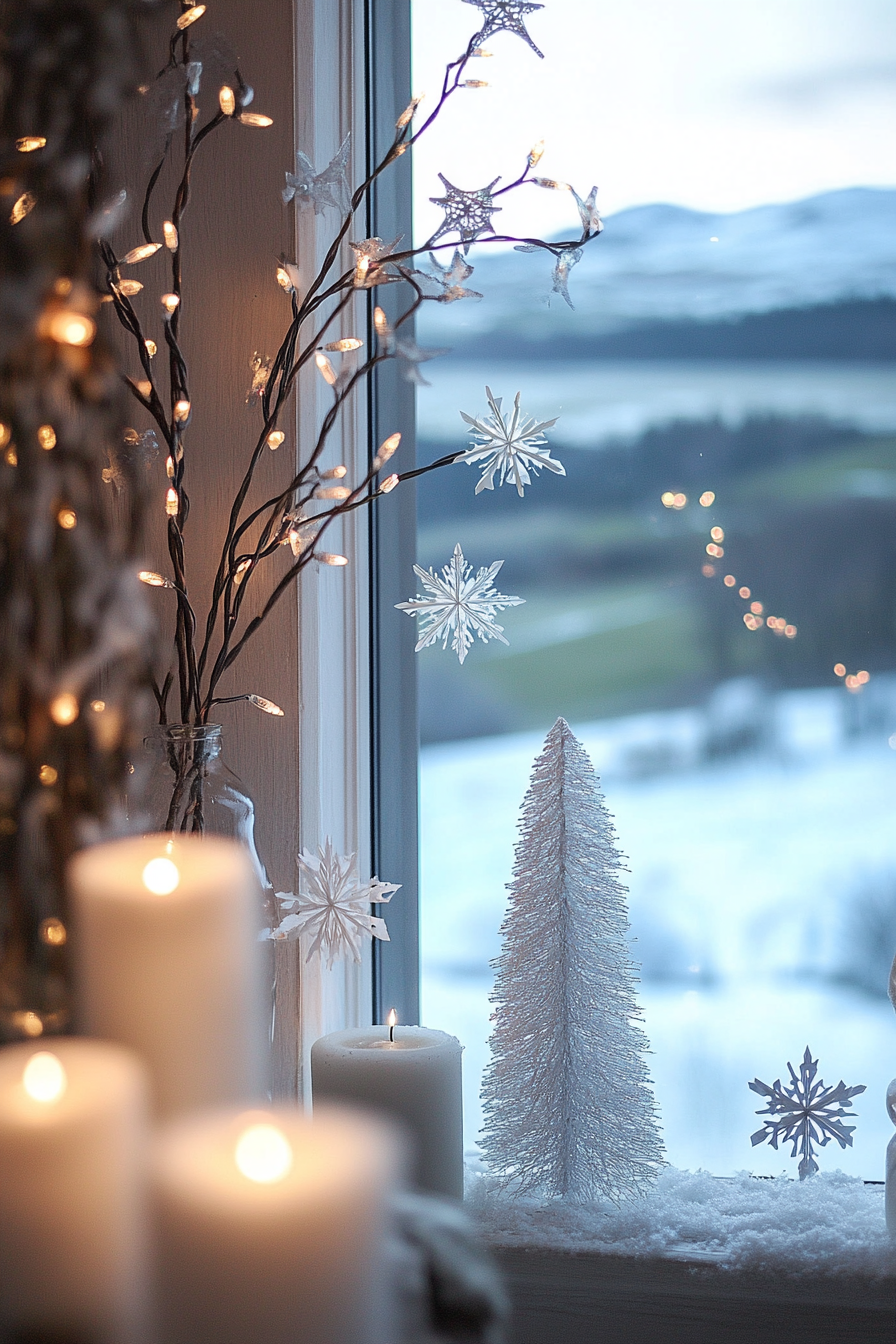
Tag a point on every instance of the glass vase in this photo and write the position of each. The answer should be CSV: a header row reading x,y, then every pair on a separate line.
x,y
191,790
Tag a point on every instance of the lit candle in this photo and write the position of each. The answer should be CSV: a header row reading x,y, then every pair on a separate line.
x,y
413,1075
271,1228
73,1134
168,962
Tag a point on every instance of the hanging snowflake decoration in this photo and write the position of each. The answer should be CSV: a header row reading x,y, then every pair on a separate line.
x,y
327,188
450,279
334,909
809,1112
466,212
458,606
505,16
508,446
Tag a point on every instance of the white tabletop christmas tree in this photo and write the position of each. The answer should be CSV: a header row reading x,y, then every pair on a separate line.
x,y
567,1099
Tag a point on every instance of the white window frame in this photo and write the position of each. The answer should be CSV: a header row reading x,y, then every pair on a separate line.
x,y
340,660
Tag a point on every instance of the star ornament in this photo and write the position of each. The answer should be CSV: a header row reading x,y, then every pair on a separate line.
x,y
371,255
451,279
457,606
321,190
466,212
508,446
504,16
560,274
807,1113
332,907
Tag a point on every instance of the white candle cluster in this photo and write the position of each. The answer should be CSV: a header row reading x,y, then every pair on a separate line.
x,y
144,1196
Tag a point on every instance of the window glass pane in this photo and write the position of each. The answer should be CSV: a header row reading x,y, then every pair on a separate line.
x,y
730,351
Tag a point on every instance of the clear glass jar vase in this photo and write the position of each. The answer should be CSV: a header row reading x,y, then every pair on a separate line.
x,y
191,790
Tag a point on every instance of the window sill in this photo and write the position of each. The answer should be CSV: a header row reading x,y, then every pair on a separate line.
x,y
683,1298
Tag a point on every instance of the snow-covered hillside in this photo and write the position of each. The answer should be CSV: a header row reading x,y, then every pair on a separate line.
x,y
661,263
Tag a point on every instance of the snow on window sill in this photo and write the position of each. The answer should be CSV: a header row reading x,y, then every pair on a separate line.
x,y
831,1225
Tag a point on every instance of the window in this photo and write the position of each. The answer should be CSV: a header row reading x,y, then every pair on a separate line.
x,y
733,337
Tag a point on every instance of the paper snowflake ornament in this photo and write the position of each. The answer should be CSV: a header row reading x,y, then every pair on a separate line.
x,y
457,606
321,190
560,274
808,1113
451,279
466,212
509,446
505,16
333,910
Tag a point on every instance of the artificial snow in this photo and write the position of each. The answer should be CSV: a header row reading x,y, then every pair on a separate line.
x,y
830,1224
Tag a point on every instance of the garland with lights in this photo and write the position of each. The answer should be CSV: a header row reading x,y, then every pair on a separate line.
x,y
72,623
301,512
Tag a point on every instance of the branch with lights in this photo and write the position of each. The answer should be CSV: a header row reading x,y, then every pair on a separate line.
x,y
300,514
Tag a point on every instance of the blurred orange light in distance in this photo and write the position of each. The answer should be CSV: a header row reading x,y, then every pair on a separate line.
x,y
729,580
709,571
839,670
743,592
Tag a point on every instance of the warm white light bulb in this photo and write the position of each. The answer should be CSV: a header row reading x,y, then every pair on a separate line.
x,y
44,1078
263,1154
161,877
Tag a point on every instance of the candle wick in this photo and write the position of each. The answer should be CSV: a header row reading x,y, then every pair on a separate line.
x,y
391,1031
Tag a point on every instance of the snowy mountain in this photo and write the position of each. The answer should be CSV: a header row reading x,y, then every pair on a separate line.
x,y
660,264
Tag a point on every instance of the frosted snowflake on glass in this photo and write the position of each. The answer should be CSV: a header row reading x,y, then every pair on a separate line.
x,y
505,16
809,1112
327,188
466,212
508,446
334,910
458,606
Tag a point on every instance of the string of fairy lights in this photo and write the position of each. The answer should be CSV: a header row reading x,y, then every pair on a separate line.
x,y
300,513
756,617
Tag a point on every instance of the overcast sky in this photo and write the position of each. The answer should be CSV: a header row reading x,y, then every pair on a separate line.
x,y
713,104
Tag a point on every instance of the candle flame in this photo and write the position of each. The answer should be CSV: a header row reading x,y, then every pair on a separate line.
x,y
263,1154
392,1019
161,877
44,1078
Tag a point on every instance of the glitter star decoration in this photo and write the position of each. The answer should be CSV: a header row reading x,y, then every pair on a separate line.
x,y
508,446
504,16
588,213
809,1113
451,279
333,909
261,372
560,274
328,188
371,254
466,212
457,606
411,354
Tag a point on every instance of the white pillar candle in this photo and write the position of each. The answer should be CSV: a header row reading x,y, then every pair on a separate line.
x,y
73,1138
168,962
415,1078
271,1228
